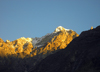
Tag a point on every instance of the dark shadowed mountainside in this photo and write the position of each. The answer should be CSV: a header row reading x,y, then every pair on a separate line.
x,y
81,55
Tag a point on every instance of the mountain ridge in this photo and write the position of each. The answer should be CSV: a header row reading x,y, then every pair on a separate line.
x,y
63,52
23,54
81,55
30,45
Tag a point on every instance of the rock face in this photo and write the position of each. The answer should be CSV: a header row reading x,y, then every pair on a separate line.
x,y
81,55
47,44
17,46
23,54
56,41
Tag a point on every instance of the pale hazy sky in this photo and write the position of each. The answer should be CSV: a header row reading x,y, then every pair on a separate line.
x,y
36,18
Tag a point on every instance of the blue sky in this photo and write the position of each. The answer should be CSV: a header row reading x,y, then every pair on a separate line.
x,y
36,18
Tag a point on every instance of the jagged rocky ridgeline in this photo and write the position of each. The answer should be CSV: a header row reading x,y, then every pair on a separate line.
x,y
29,47
81,55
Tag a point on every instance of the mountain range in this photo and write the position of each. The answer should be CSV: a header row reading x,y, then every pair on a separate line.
x,y
63,50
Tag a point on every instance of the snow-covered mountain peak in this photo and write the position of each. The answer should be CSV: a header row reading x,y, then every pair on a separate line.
x,y
60,28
